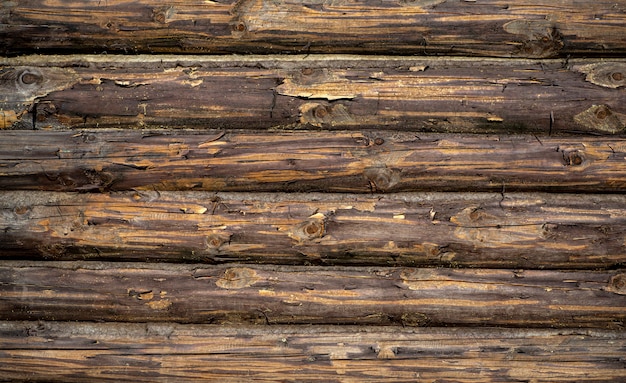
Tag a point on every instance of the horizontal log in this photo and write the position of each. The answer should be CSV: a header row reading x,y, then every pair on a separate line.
x,y
75,352
457,229
344,161
313,92
530,28
311,295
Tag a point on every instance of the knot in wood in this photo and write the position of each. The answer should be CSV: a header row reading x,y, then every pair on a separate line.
x,y
216,240
379,141
163,15
542,38
602,112
160,17
381,178
573,158
314,229
311,229
30,77
26,82
600,118
606,74
321,112
21,210
239,27
237,278
414,319
617,284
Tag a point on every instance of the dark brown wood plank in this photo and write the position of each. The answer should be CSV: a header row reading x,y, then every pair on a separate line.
x,y
458,229
310,295
529,28
75,352
294,161
314,92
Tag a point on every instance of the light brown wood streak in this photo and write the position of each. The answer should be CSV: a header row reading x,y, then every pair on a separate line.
x,y
464,229
75,352
532,28
308,295
329,92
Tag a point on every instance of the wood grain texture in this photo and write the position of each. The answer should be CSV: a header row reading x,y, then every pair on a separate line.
x,y
453,229
529,28
295,161
311,295
314,92
75,352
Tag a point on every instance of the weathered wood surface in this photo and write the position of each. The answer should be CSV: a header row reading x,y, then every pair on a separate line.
x,y
295,161
529,28
313,92
75,352
233,294
462,229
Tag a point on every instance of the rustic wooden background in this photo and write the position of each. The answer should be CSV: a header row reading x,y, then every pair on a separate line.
x,y
313,190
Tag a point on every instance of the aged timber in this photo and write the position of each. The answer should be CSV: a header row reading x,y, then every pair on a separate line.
x,y
528,28
310,295
462,229
76,352
296,161
314,92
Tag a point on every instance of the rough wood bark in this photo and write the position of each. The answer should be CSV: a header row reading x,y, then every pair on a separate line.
x,y
329,92
530,28
465,229
345,161
75,352
311,295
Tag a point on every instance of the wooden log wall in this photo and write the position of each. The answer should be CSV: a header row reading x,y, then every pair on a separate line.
x,y
307,190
